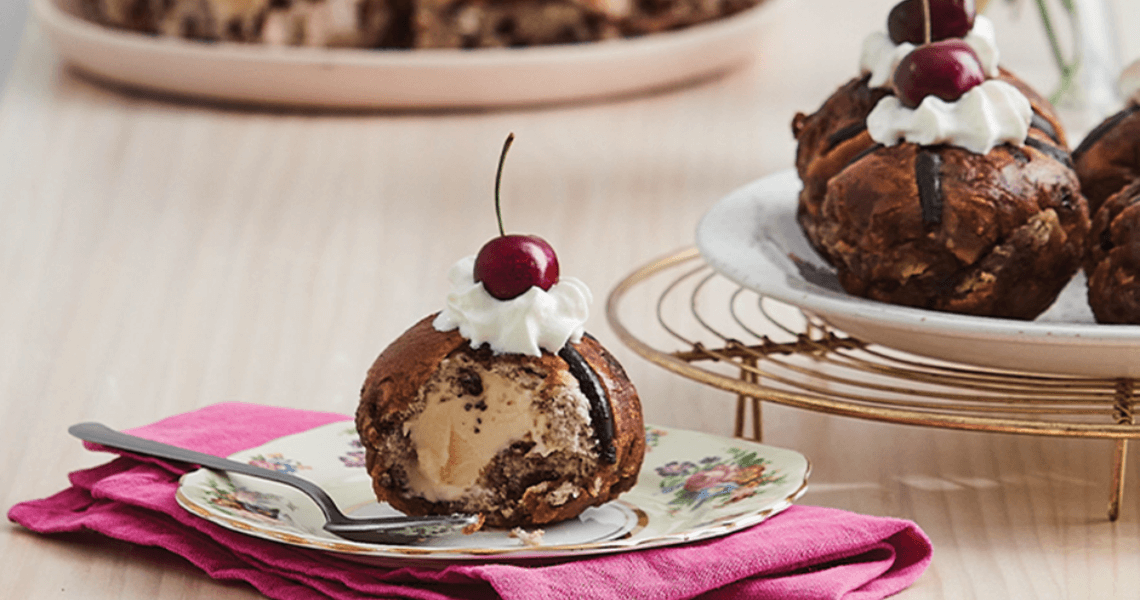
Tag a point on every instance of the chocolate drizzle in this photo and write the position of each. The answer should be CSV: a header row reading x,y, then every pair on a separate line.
x,y
1045,126
844,134
865,152
1050,150
928,176
601,416
1100,130
1018,154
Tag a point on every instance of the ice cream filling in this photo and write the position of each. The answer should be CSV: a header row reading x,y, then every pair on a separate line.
x,y
473,412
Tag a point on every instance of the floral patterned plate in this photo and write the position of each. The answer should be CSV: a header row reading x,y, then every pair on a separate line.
x,y
692,486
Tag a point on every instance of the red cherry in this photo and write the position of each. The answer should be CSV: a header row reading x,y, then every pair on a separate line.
x,y
948,19
946,69
510,264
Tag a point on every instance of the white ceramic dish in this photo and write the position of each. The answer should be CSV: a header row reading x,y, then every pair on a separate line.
x,y
353,78
692,486
751,236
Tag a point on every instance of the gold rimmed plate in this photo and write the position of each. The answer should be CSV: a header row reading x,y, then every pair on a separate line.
x,y
692,486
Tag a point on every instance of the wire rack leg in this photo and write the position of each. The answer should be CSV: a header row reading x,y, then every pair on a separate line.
x,y
748,374
757,421
1117,480
1123,413
741,410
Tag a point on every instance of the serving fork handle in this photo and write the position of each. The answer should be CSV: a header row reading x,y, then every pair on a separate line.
x,y
101,434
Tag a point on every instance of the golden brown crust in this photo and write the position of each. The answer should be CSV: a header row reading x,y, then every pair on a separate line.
x,y
392,387
629,441
1109,157
1004,240
829,139
1112,258
393,383
404,366
1007,239
625,404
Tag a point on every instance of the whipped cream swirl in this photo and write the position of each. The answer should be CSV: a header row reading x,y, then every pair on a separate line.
x,y
535,321
880,58
987,115
880,55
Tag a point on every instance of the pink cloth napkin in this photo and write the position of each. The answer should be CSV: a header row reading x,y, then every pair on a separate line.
x,y
803,553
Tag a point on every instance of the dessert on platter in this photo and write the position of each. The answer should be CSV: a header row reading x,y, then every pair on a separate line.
x,y
501,404
1108,158
1112,259
330,23
1108,164
407,23
833,135
938,180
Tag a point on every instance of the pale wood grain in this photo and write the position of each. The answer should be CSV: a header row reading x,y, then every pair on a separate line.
x,y
157,256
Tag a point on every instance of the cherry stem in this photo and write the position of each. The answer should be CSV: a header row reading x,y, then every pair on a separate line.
x,y
926,20
499,179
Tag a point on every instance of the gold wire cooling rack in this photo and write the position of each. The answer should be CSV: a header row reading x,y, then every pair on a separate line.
x,y
713,331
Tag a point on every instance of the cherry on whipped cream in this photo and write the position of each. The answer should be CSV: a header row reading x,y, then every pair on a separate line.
x,y
946,69
509,265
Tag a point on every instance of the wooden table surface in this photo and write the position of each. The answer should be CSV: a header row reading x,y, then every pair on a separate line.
x,y
157,256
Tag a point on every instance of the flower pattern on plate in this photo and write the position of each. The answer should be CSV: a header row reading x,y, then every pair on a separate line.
x,y
354,458
277,462
653,437
723,480
235,501
733,483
